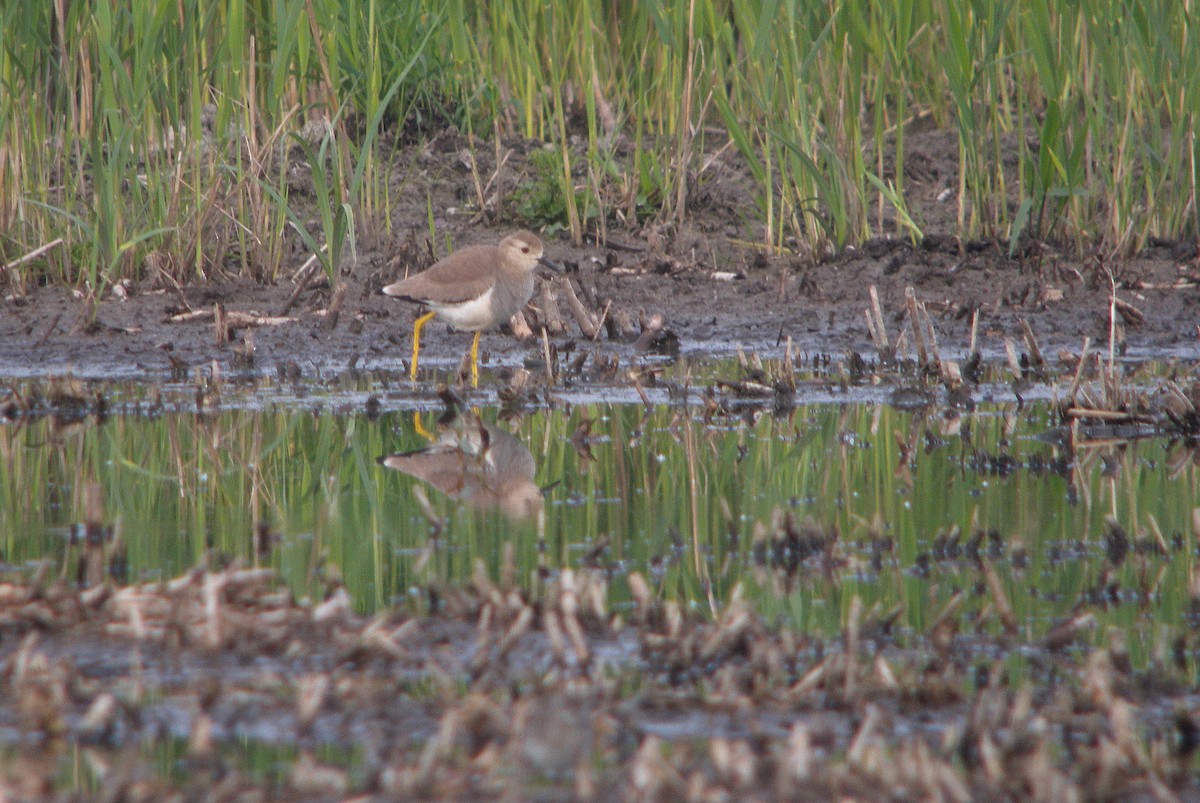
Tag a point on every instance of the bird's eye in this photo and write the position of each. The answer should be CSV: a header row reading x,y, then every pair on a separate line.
x,y
524,249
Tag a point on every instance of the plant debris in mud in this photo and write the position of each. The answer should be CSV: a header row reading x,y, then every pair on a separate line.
x,y
709,278
490,692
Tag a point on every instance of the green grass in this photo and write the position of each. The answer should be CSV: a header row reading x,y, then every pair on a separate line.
x,y
168,130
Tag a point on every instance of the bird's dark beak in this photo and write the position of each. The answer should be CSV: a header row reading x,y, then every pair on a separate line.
x,y
551,265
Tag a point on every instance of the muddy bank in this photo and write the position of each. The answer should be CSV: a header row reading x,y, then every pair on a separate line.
x,y
714,289
712,308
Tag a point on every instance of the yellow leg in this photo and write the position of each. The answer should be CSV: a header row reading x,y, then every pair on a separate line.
x,y
475,360
418,324
420,428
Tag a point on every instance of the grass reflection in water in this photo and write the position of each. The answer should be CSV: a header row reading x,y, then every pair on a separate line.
x,y
910,510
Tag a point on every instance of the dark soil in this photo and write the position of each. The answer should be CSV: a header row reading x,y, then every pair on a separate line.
x,y
714,290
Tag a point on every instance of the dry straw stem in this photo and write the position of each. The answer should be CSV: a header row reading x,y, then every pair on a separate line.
x,y
878,329
233,318
589,325
1014,362
914,318
1035,353
37,253
551,317
1073,392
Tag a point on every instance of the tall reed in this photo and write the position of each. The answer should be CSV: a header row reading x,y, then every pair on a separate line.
x,y
167,129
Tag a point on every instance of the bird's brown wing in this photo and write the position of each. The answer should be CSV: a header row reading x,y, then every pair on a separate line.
x,y
462,276
446,470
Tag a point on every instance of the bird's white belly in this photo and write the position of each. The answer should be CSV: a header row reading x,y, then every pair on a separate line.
x,y
470,316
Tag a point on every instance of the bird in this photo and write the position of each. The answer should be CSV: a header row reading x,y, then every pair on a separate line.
x,y
474,288
478,464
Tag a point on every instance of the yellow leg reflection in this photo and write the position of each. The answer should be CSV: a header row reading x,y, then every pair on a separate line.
x,y
418,324
420,428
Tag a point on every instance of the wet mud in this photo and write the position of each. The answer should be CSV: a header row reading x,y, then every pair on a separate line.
x,y
703,281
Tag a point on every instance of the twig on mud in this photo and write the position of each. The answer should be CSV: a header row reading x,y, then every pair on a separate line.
x,y
929,355
910,299
641,392
234,319
155,260
586,320
1014,362
302,278
551,316
220,324
191,317
1073,392
935,351
600,325
789,365
1035,353
878,329
1130,314
614,245
32,255
547,357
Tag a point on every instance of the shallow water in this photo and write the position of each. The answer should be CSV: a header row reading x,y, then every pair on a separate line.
x,y
803,508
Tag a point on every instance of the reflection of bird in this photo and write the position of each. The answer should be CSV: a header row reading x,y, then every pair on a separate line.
x,y
474,288
479,464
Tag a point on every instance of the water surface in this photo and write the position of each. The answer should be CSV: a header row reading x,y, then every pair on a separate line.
x,y
802,507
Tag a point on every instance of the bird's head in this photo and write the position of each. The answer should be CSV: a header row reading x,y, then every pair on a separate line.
x,y
523,249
